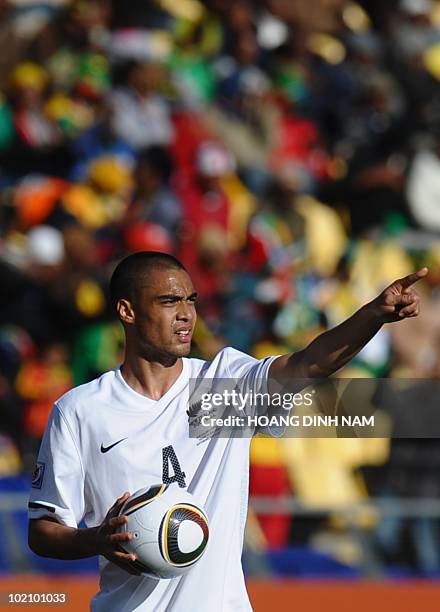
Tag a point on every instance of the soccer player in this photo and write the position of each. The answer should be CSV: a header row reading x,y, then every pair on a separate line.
x,y
129,429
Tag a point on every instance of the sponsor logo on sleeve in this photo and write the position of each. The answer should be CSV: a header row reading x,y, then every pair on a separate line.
x,y
37,476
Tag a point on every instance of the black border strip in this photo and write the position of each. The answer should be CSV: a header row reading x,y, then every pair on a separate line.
x,y
35,505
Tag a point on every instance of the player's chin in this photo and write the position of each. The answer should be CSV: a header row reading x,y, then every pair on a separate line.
x,y
184,349
181,349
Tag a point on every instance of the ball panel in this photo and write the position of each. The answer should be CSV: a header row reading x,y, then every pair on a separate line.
x,y
142,568
135,503
169,535
189,537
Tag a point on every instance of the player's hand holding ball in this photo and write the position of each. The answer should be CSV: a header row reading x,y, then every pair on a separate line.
x,y
109,539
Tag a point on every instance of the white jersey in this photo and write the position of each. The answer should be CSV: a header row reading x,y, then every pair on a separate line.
x,y
104,438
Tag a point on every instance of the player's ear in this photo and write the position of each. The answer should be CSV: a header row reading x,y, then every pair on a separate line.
x,y
125,311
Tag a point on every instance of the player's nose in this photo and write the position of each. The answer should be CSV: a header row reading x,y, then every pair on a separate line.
x,y
185,312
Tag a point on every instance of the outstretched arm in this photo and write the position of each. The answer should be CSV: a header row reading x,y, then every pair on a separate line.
x,y
334,348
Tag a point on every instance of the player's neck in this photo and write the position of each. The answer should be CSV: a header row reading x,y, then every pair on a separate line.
x,y
150,378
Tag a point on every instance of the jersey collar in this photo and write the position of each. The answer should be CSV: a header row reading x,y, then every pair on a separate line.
x,y
131,399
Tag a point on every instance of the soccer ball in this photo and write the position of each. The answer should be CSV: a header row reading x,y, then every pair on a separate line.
x,y
169,530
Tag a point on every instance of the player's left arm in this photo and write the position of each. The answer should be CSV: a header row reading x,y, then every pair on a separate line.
x,y
334,348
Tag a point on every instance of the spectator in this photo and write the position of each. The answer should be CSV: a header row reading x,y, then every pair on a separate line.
x,y
153,199
140,116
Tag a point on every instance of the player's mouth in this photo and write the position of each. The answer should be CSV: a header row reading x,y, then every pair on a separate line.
x,y
184,334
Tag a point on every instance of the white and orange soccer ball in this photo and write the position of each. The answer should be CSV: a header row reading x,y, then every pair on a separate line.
x,y
170,530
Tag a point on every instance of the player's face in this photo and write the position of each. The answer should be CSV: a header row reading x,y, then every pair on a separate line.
x,y
165,314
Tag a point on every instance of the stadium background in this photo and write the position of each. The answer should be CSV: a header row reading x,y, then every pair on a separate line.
x,y
288,153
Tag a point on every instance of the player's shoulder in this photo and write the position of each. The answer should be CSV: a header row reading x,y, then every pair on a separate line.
x,y
82,395
224,364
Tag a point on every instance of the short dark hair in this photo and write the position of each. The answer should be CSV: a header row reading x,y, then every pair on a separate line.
x,y
132,269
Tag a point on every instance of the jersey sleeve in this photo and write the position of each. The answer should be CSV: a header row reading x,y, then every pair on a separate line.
x,y
58,480
252,373
252,377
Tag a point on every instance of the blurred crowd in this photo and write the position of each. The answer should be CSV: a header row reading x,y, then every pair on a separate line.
x,y
287,152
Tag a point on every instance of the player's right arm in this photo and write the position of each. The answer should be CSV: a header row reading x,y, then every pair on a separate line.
x,y
50,538
57,503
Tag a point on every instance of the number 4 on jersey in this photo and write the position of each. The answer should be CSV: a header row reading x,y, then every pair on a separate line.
x,y
169,456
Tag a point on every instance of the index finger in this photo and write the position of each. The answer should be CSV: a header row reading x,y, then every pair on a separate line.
x,y
122,499
115,509
409,280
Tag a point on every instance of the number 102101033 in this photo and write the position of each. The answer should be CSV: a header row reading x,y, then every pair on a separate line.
x,y
22,598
